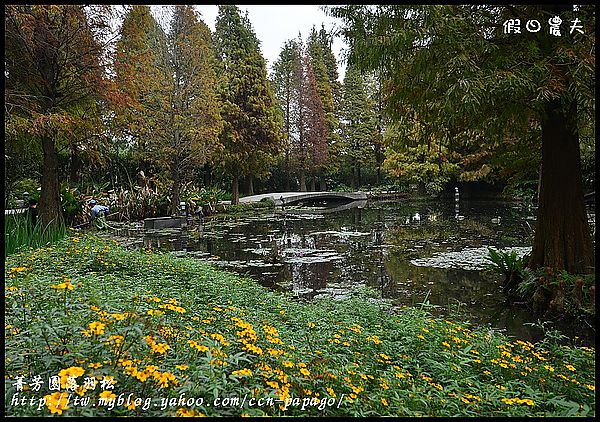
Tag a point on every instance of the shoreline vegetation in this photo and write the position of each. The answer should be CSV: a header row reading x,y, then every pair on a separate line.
x,y
168,327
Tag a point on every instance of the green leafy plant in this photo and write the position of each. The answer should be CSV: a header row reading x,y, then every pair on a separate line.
x,y
19,233
208,199
508,263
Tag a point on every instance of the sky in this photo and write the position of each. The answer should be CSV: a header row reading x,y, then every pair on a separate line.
x,y
276,24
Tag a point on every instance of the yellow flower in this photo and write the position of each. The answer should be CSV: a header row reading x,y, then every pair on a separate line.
x,y
191,413
142,376
528,402
97,327
384,402
200,347
75,371
65,285
288,364
164,378
81,390
590,387
304,371
311,325
182,367
374,339
242,373
95,365
331,392
56,402
107,396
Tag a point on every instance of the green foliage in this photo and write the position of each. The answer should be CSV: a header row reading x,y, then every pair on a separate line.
x,y
206,198
420,164
72,203
506,263
526,190
164,326
25,185
265,203
359,131
19,233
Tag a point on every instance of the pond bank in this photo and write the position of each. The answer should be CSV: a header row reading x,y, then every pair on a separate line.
x,y
164,326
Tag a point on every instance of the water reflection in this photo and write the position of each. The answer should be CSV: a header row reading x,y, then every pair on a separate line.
x,y
317,251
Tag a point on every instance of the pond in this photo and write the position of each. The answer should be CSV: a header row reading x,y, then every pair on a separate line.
x,y
409,251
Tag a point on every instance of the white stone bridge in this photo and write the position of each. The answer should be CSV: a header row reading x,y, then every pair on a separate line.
x,y
286,198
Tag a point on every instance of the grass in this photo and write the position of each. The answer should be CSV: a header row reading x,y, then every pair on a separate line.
x,y
179,329
20,233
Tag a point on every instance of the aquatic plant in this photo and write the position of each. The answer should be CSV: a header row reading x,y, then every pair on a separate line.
x,y
508,263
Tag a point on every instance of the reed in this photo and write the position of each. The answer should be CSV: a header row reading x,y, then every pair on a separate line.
x,y
19,233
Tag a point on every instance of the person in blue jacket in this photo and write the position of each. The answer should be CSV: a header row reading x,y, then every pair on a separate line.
x,y
99,214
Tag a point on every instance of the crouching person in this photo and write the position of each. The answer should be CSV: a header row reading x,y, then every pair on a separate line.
x,y
99,214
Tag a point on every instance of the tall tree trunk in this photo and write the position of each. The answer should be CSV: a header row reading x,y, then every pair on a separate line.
x,y
175,195
302,182
287,182
235,190
207,175
562,234
323,185
353,181
287,171
250,185
313,184
50,209
358,176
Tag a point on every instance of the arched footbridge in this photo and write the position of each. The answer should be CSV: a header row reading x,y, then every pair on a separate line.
x,y
286,198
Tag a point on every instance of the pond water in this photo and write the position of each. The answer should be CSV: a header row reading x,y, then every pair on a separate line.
x,y
409,251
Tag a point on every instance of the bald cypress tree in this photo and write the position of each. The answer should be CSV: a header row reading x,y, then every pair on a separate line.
x,y
461,71
138,76
185,105
358,125
286,81
321,56
252,133
54,83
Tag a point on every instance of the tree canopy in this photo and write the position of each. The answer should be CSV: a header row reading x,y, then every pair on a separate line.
x,y
458,71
